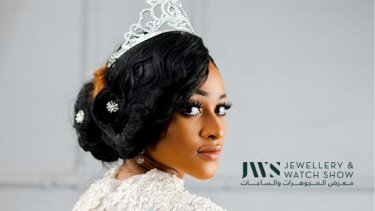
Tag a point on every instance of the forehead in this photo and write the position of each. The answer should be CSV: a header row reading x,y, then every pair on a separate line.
x,y
214,84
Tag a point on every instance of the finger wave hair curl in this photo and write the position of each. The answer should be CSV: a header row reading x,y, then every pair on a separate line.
x,y
150,82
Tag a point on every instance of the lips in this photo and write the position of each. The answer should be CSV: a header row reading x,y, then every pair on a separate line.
x,y
210,148
209,153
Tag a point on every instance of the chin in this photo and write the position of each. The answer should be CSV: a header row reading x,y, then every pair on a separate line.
x,y
205,172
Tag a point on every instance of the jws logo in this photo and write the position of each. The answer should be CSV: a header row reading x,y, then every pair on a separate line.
x,y
261,169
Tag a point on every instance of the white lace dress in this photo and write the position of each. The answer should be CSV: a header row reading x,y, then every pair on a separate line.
x,y
153,191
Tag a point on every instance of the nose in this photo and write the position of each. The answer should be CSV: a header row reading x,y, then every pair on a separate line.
x,y
213,127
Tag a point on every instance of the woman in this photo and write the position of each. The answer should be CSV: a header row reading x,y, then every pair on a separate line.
x,y
160,106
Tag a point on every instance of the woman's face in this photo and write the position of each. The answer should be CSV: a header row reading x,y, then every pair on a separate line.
x,y
193,141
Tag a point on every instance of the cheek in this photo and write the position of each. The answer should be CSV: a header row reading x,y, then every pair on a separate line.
x,y
183,134
184,129
179,142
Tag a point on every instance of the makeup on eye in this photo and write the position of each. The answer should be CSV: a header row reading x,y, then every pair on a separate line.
x,y
223,107
206,94
194,107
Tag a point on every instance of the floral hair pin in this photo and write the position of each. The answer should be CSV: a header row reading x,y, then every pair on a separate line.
x,y
80,115
112,106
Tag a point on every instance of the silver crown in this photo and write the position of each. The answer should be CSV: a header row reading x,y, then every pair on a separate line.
x,y
162,16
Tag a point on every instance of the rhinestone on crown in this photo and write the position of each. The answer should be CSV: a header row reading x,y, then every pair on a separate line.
x,y
162,16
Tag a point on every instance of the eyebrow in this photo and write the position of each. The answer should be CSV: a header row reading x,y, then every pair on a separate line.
x,y
204,93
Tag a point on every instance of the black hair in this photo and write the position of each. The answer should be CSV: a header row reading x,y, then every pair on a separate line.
x,y
150,82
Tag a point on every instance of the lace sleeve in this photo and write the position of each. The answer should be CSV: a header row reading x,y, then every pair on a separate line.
x,y
93,197
152,191
190,202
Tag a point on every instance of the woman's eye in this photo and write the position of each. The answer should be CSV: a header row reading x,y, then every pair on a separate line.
x,y
222,111
195,108
192,108
222,108
192,111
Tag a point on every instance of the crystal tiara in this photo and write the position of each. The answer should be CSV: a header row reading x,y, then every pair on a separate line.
x,y
162,16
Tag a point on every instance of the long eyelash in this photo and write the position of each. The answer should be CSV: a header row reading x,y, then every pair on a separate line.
x,y
197,104
186,107
226,105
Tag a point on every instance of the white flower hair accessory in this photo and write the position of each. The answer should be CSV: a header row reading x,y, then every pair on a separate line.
x,y
80,115
112,106
162,16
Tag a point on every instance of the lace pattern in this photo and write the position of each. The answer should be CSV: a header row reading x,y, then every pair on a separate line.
x,y
153,191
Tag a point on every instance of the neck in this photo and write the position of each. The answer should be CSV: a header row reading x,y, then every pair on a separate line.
x,y
130,168
149,163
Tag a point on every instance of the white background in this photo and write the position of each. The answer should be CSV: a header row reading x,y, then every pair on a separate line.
x,y
299,73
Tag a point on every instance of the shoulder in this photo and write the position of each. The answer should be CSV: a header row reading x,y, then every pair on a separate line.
x,y
167,192
154,190
188,201
94,195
